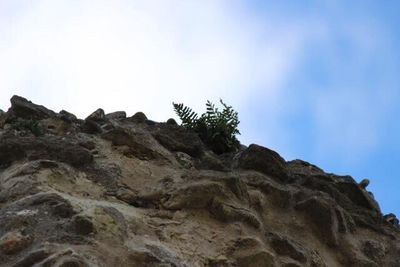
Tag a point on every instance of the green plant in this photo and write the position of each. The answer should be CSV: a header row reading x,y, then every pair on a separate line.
x,y
28,125
218,129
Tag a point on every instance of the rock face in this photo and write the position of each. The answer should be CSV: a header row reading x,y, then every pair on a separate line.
x,y
113,190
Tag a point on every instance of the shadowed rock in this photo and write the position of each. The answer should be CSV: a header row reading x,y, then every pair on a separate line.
x,y
22,108
264,160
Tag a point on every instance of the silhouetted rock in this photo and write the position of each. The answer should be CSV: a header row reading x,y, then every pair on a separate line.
x,y
138,117
22,108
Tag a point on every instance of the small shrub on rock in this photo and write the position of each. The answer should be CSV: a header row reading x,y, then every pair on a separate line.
x,y
218,129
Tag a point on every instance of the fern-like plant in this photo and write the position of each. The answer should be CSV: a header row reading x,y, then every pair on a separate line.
x,y
218,129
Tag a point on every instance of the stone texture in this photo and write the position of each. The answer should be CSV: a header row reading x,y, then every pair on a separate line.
x,y
117,115
264,160
117,191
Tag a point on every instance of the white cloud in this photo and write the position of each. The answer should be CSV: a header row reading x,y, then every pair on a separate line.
x,y
142,55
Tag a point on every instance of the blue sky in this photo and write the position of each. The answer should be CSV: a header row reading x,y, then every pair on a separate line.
x,y
316,80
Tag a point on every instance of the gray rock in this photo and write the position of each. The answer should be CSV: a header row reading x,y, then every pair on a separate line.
x,y
117,115
138,117
23,108
97,116
67,117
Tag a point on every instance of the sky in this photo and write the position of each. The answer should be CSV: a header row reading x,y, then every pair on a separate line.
x,y
315,80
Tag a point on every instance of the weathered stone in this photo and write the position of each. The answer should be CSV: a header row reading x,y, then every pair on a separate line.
x,y
230,213
178,139
358,195
117,115
138,145
67,117
97,116
322,215
210,161
184,159
14,242
264,160
82,225
33,257
261,258
13,148
303,168
373,250
22,108
286,247
392,219
138,117
196,195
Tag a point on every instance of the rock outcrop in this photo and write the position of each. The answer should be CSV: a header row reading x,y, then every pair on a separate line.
x,y
113,190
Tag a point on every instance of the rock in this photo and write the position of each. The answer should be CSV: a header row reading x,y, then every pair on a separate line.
x,y
391,218
171,121
357,195
154,255
262,258
22,108
64,258
184,159
249,251
194,196
13,148
209,161
264,160
285,247
178,139
117,115
322,215
373,250
232,213
97,116
94,121
364,183
82,225
34,256
14,242
138,117
303,168
67,117
138,145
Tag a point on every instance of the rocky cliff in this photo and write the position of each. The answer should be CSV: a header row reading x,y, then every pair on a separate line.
x,y
113,190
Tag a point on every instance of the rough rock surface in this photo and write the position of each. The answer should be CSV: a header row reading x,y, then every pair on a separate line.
x,y
113,190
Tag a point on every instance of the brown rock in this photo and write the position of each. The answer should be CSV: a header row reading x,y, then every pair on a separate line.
x,y
286,247
14,242
321,213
